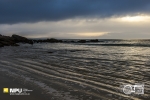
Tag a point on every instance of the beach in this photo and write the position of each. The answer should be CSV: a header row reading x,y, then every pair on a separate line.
x,y
71,71
8,82
74,49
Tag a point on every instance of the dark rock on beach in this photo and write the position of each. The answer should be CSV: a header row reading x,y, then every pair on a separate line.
x,y
52,40
1,45
50,52
82,41
11,41
14,39
72,41
96,40
7,41
18,38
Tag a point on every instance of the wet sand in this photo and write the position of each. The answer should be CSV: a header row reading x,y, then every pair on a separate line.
x,y
7,82
87,74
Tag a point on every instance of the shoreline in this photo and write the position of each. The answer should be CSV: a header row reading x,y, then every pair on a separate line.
x,y
73,72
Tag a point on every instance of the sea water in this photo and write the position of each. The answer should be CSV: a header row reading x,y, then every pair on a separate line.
x,y
82,71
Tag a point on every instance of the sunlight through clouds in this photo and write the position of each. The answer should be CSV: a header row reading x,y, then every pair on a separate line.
x,y
135,18
113,27
94,34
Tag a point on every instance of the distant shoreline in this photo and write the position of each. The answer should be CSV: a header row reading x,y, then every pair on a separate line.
x,y
14,39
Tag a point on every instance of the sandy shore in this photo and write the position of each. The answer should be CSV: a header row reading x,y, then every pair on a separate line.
x,y
73,72
7,82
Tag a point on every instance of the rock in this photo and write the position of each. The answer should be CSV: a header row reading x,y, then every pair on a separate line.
x,y
72,50
5,43
35,41
39,41
66,42
60,41
82,41
52,40
72,41
11,41
8,43
1,45
31,42
96,40
18,39
6,38
50,52
15,44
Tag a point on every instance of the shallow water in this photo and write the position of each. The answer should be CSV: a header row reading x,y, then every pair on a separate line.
x,y
90,71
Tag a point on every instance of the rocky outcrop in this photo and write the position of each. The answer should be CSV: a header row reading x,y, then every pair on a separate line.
x,y
52,40
82,41
18,38
96,40
12,41
7,41
21,39
1,45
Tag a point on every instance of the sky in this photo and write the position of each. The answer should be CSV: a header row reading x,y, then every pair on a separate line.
x,y
76,19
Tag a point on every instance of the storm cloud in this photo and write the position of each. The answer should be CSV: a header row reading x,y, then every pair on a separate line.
x,y
28,11
111,28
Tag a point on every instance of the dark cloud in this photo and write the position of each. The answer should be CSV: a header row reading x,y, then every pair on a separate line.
x,y
17,11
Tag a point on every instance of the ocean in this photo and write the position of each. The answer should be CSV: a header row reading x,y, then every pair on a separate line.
x,y
82,71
